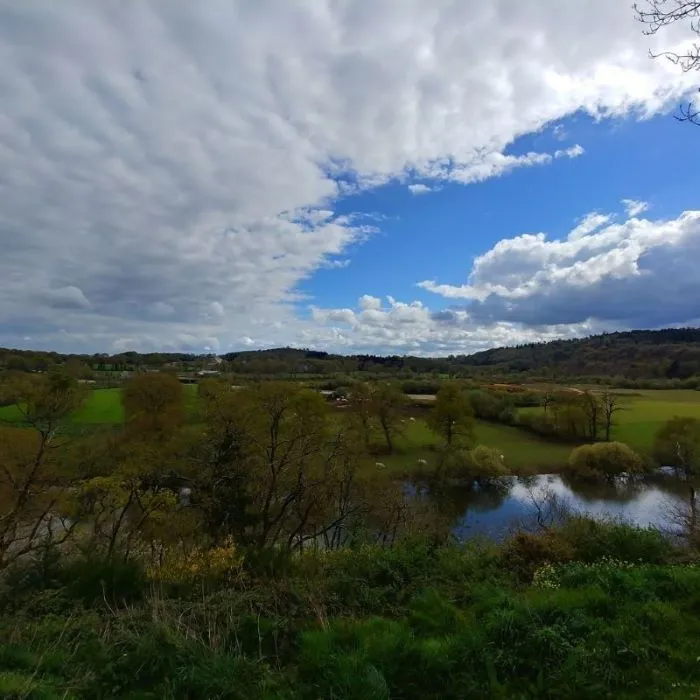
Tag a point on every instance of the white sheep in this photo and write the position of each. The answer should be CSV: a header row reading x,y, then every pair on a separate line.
x,y
423,462
381,465
412,419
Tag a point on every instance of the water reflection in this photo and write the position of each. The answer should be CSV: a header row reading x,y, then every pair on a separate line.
x,y
496,510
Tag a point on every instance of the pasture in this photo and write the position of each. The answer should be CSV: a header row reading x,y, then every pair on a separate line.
x,y
524,453
101,407
641,415
643,412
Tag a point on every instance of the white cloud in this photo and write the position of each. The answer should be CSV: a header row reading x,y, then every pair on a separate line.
x,y
636,273
634,207
572,152
419,189
369,302
412,328
559,132
188,155
602,276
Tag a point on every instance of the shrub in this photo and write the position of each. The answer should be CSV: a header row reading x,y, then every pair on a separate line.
x,y
604,460
483,465
113,581
524,553
198,567
592,539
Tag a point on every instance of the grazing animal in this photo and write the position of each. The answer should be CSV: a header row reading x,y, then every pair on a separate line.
x,y
423,462
412,419
381,465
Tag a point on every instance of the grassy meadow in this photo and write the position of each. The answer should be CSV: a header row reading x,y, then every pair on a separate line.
x,y
641,414
101,407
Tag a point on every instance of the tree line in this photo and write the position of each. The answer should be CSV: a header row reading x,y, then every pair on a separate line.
x,y
668,357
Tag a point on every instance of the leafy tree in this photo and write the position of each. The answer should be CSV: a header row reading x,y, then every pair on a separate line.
x,y
677,445
360,408
154,404
488,463
388,404
604,460
452,417
271,469
76,368
482,464
18,363
34,477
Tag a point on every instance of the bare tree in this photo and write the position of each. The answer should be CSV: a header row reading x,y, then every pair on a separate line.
x,y
592,408
610,403
657,14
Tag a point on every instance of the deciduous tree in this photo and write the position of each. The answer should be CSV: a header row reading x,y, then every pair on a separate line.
x,y
388,405
35,480
154,405
452,417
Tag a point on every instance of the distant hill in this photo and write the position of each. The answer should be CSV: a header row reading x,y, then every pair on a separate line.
x,y
672,353
659,356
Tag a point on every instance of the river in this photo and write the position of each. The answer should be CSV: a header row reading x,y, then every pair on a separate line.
x,y
495,512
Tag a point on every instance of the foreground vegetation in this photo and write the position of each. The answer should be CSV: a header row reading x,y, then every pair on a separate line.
x,y
589,610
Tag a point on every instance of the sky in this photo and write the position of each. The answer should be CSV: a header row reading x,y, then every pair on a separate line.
x,y
386,176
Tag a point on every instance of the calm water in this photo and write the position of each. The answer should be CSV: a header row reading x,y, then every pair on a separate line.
x,y
495,512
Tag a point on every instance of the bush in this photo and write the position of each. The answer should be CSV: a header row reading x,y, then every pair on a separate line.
x,y
524,553
492,406
113,581
604,460
593,539
482,464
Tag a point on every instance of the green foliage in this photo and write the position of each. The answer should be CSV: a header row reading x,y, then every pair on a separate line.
x,y
603,460
482,464
414,621
153,404
492,406
451,417
593,539
111,581
677,444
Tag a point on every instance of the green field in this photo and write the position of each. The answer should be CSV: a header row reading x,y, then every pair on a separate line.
x,y
644,411
523,452
642,414
102,407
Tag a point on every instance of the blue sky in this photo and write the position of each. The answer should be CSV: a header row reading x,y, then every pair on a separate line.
x,y
353,176
436,235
